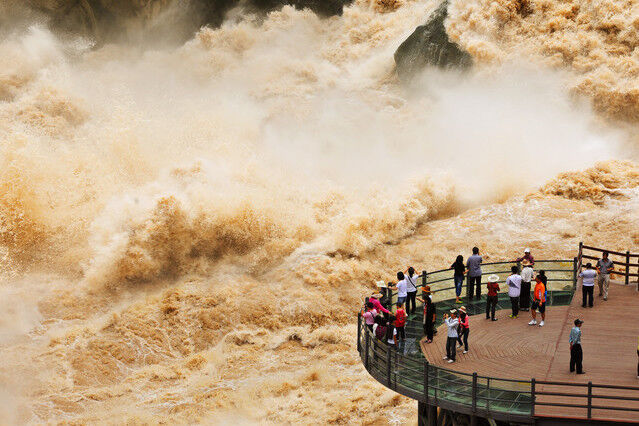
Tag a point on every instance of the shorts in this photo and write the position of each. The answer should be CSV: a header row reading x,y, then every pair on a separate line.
x,y
401,300
536,305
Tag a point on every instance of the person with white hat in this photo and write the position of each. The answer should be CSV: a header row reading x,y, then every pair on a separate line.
x,y
526,280
452,322
529,257
491,298
464,329
375,300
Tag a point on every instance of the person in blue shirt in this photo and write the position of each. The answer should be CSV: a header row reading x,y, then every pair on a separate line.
x,y
576,354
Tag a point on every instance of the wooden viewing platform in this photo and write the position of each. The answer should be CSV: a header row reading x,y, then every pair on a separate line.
x,y
515,373
511,349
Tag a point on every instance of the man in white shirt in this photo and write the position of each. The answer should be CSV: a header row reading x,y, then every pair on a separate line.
x,y
452,322
402,288
587,285
526,280
514,289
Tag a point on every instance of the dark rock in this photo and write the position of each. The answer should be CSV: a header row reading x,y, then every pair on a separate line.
x,y
429,45
109,20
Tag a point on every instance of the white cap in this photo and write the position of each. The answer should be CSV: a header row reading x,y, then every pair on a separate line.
x,y
527,250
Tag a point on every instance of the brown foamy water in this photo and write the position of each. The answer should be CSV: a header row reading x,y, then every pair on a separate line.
x,y
187,233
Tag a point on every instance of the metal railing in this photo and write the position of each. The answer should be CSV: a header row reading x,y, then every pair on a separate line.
x,y
493,397
586,252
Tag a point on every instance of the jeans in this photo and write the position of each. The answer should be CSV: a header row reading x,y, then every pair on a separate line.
x,y
474,283
410,302
604,282
587,292
514,302
524,297
491,304
459,282
576,358
451,350
462,337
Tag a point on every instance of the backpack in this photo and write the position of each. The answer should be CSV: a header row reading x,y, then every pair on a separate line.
x,y
400,319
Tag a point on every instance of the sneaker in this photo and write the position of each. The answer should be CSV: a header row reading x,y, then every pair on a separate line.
x,y
459,301
583,372
450,361
605,298
494,319
460,346
532,322
512,316
465,352
487,318
541,324
445,357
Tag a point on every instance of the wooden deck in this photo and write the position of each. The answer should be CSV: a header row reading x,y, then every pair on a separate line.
x,y
510,348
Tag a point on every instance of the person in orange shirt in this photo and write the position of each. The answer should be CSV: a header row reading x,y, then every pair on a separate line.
x,y
539,302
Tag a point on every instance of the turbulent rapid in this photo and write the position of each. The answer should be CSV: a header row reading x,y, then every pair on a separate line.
x,y
187,231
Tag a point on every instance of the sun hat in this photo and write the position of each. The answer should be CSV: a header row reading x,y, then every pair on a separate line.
x,y
578,321
426,289
377,295
527,250
380,283
493,278
525,262
453,311
462,308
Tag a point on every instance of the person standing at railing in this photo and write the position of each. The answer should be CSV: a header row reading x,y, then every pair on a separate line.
x,y
429,314
526,279
539,302
411,290
369,315
527,256
374,299
604,267
401,287
473,265
587,285
452,322
491,298
576,353
514,290
458,277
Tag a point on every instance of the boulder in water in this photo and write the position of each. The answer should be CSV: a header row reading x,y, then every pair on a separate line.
x,y
429,45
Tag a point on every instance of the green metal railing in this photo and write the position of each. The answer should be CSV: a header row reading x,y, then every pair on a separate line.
x,y
473,394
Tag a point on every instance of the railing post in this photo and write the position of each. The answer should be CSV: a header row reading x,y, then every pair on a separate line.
x,y
589,400
426,368
532,397
474,392
367,338
388,366
359,333
627,267
574,273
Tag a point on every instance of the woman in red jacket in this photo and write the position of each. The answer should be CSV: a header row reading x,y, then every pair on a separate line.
x,y
464,329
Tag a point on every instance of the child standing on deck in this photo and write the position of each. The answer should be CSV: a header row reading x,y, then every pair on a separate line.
x,y
539,302
400,321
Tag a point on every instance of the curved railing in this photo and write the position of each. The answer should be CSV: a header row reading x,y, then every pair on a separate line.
x,y
491,397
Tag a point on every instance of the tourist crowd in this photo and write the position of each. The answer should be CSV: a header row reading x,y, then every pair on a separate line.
x,y
388,322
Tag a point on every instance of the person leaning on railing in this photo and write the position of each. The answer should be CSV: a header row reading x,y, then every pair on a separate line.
x,y
473,267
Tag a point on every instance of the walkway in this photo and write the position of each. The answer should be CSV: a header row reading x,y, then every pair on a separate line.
x,y
511,349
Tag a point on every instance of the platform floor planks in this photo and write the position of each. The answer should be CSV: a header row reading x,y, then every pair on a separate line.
x,y
510,348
